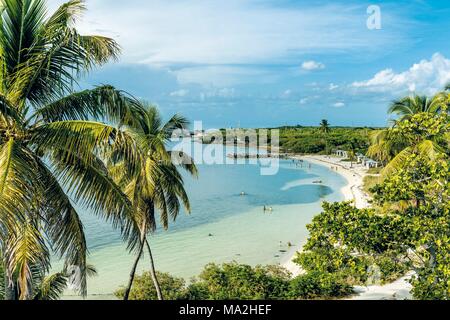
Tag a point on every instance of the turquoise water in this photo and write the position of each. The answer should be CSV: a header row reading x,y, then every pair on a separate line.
x,y
241,230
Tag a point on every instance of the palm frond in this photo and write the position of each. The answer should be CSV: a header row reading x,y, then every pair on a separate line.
x,y
51,287
25,250
8,113
101,103
396,163
63,225
177,122
429,149
180,158
22,21
17,183
90,185
57,57
406,107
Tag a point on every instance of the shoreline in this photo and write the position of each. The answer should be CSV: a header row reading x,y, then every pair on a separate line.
x,y
352,191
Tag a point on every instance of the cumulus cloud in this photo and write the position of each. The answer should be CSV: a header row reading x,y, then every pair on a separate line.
x,y
427,77
161,32
312,65
339,105
211,42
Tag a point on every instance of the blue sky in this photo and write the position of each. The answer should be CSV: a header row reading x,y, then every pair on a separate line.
x,y
272,63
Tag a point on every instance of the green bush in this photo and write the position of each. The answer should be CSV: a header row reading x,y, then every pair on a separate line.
x,y
232,281
391,268
172,288
313,140
318,285
347,267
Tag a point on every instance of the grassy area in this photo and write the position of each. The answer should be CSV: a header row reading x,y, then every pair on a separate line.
x,y
370,182
374,170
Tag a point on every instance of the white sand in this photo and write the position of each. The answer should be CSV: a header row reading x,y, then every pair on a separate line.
x,y
353,191
397,290
354,174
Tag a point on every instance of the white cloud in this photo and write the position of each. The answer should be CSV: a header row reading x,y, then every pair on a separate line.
x,y
226,93
333,86
222,76
427,76
179,93
339,105
312,65
161,32
212,42
304,101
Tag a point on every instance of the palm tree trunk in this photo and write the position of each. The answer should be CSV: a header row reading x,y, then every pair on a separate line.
x,y
135,264
153,273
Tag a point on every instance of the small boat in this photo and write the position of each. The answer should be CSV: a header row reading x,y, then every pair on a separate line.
x,y
318,182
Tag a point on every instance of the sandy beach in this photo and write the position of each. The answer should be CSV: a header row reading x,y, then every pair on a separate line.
x,y
353,191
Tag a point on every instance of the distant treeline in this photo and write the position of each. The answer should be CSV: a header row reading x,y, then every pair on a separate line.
x,y
308,140
314,140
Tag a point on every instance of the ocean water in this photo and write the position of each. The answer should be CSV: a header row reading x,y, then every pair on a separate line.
x,y
223,225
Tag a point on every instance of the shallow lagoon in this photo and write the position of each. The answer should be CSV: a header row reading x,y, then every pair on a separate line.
x,y
223,225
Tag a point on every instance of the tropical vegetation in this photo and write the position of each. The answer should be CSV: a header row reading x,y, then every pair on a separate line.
x,y
408,227
233,281
55,144
152,181
324,139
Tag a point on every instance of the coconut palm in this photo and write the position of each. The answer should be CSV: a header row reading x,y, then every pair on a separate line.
x,y
154,185
406,107
325,126
423,134
49,287
384,146
52,141
325,129
390,146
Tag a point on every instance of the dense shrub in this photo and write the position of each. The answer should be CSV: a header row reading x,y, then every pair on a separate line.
x,y
172,288
232,281
354,244
313,140
318,285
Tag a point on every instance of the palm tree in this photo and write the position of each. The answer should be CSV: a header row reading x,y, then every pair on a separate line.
x,y
49,287
384,146
408,106
325,126
391,147
325,129
52,140
154,183
424,134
